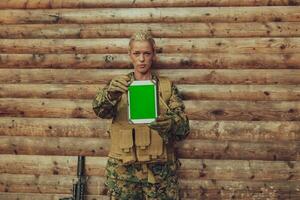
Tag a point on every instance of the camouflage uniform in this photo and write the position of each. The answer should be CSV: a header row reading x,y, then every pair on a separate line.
x,y
131,181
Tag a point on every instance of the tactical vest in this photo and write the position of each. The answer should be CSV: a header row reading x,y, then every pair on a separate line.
x,y
137,142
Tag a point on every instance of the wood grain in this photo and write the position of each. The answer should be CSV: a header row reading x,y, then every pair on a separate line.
x,y
147,15
165,45
158,30
191,149
44,4
163,61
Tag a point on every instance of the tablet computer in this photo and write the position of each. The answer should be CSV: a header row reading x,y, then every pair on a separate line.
x,y
142,102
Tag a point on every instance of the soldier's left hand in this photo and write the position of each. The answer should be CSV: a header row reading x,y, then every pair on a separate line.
x,y
162,124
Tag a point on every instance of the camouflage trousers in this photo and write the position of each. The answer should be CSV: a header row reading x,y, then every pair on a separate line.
x,y
132,182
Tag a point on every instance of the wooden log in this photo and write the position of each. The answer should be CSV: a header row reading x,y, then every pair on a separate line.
x,y
239,92
167,61
148,15
158,30
59,165
192,149
225,195
55,184
256,131
164,45
238,170
188,92
231,150
236,185
47,108
108,61
237,110
44,4
35,196
199,169
267,192
187,76
51,127
63,184
53,146
196,110
59,91
245,130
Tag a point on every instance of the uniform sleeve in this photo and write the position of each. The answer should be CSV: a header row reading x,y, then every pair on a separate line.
x,y
103,106
180,127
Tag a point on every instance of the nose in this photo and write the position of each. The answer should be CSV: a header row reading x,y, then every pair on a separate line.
x,y
141,57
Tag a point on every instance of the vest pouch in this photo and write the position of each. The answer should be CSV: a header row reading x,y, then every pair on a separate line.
x,y
121,144
157,150
142,137
142,142
126,140
115,139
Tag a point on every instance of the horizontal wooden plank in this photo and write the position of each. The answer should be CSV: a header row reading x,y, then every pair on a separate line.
x,y
43,4
147,15
196,110
266,191
245,130
52,127
164,45
63,184
192,149
163,61
158,30
36,196
179,76
188,92
239,92
213,130
185,195
200,169
237,110
59,91
238,150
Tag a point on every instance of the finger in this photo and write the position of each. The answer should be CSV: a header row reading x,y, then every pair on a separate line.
x,y
118,85
124,79
120,82
123,82
127,78
117,89
160,126
154,126
164,126
163,118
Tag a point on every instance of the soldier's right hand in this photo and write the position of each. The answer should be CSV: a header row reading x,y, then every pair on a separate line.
x,y
118,86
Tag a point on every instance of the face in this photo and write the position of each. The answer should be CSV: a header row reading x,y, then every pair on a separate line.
x,y
142,55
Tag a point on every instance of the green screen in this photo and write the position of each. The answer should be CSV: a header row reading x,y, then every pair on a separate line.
x,y
142,101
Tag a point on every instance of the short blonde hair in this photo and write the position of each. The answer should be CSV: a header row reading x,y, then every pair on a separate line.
x,y
142,36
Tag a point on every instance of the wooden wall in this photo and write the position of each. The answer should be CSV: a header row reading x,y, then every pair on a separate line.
x,y
237,63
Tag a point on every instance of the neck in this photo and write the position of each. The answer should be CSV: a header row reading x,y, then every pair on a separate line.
x,y
140,76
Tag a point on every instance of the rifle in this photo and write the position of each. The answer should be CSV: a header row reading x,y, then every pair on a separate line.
x,y
79,187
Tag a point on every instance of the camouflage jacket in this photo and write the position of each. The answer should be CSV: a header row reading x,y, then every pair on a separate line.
x,y
115,169
106,109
